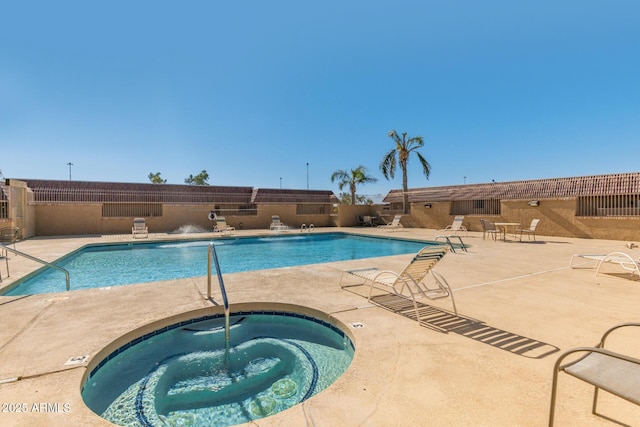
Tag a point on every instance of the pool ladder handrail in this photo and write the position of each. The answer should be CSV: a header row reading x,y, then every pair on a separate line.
x,y
48,264
213,255
448,239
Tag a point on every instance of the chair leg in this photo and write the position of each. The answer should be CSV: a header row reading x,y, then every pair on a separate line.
x,y
554,391
595,401
6,260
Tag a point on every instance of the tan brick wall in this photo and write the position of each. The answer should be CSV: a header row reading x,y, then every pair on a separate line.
x,y
77,219
557,218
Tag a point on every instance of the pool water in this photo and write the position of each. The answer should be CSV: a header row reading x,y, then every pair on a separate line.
x,y
185,375
98,266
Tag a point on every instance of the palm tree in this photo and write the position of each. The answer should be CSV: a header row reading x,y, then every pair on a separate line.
x,y
352,179
402,150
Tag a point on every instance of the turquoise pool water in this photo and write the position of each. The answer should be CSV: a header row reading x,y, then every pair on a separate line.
x,y
185,374
98,266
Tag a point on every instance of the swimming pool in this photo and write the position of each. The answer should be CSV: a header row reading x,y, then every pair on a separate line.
x,y
184,374
96,266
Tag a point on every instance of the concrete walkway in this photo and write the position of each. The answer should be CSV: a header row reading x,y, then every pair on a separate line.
x,y
403,374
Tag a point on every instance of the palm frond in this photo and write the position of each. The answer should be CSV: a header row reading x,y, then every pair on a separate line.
x,y
426,167
388,164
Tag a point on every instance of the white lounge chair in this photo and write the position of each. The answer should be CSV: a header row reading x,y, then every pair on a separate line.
x,y
613,372
139,228
456,225
627,262
276,224
393,225
531,231
222,226
410,282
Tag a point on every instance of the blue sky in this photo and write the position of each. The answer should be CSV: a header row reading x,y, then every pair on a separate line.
x,y
252,91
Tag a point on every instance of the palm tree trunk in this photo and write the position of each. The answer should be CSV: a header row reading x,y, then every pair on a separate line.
x,y
405,190
353,193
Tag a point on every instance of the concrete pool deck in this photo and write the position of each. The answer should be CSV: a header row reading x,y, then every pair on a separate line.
x,y
403,374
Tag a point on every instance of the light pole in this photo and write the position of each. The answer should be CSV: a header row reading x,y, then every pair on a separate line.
x,y
281,183
69,164
307,175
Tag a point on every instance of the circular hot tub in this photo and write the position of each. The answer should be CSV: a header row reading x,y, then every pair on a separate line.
x,y
187,374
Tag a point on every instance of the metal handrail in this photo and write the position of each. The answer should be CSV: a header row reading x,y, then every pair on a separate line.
x,y
214,255
448,239
48,264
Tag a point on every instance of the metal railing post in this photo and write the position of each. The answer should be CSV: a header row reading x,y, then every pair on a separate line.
x,y
212,251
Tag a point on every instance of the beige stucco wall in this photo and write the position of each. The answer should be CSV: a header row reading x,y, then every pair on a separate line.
x,y
61,220
557,218
86,219
347,214
21,211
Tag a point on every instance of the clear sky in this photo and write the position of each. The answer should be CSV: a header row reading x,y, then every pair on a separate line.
x,y
253,91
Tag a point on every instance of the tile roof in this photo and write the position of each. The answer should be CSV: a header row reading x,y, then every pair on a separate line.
x,y
124,186
77,191
270,195
594,185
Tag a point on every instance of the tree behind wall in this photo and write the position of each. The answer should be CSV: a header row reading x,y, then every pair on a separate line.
x,y
201,179
155,178
352,179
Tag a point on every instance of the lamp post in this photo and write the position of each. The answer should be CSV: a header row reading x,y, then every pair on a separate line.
x,y
307,175
69,164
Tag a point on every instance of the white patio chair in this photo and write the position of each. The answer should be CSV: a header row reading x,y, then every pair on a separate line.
x,y
531,231
9,236
4,255
489,229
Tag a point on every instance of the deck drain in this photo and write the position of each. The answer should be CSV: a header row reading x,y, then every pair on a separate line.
x,y
76,360
356,325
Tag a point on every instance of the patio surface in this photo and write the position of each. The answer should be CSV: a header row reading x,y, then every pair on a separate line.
x,y
403,374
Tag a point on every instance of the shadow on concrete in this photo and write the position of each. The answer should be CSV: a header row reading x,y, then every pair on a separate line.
x,y
445,321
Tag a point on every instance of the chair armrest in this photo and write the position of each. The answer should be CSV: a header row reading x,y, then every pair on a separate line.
x,y
614,328
378,278
588,350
